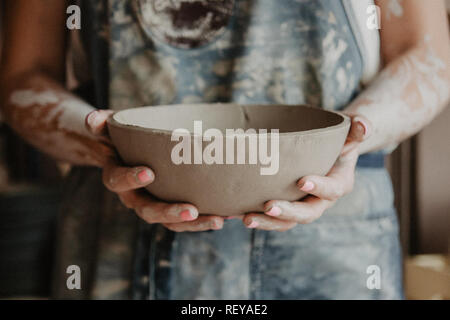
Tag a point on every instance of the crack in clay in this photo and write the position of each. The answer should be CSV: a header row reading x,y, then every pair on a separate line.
x,y
246,117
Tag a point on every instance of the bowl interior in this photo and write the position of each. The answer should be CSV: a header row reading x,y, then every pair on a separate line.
x,y
286,118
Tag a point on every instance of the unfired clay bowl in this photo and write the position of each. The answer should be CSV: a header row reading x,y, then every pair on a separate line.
x,y
310,141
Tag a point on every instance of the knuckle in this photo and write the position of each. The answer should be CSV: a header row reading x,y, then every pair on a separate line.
x,y
284,229
171,227
168,209
126,202
247,219
108,180
205,225
293,226
306,220
289,227
177,229
350,185
270,204
139,213
297,216
199,226
339,191
309,218
336,192
146,214
349,188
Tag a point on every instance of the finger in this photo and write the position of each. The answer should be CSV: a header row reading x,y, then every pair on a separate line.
x,y
119,179
203,223
337,183
153,211
328,188
263,222
349,147
102,154
96,122
360,129
306,211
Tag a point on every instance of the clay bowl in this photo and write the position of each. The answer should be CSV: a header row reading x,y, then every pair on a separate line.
x,y
309,140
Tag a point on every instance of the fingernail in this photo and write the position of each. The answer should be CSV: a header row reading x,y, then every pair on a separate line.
x,y
253,224
274,212
145,176
307,186
363,124
186,215
216,226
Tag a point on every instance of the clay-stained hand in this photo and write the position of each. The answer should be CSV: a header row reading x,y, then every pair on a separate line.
x,y
322,191
128,182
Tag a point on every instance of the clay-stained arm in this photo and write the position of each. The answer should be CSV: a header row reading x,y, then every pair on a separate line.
x,y
414,85
36,105
34,100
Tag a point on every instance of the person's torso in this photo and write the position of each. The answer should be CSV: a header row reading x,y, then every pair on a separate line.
x,y
244,51
247,51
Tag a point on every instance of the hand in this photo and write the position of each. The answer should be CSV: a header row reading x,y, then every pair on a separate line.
x,y
323,191
127,183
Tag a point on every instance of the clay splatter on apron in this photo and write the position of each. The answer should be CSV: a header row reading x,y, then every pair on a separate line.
x,y
184,23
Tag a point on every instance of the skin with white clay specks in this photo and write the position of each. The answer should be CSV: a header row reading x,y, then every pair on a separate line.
x,y
27,98
54,121
395,8
411,91
64,110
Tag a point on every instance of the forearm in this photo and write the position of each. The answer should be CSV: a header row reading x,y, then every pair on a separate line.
x,y
405,96
52,119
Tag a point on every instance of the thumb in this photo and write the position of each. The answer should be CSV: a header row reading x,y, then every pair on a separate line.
x,y
360,129
96,121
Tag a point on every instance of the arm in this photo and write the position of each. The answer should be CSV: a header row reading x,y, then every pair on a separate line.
x,y
410,91
37,106
33,98
414,86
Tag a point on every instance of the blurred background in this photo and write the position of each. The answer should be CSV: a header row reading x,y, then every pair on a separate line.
x,y
30,185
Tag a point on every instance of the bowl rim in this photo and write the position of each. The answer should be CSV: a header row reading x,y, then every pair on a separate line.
x,y
111,121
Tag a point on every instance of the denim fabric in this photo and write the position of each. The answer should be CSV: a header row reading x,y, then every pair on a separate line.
x,y
301,52
327,259
371,160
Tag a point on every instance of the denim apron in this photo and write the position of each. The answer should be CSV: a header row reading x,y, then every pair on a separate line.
x,y
150,52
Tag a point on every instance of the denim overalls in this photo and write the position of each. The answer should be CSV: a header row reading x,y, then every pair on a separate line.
x,y
245,51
